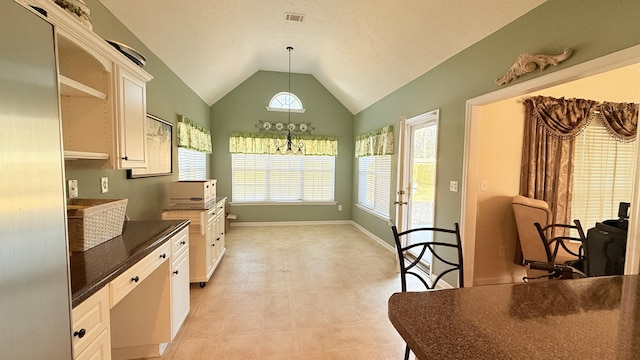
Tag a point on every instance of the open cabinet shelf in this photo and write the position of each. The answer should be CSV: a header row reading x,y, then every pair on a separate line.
x,y
70,87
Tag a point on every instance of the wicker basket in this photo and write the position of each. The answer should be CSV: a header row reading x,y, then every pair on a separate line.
x,y
94,221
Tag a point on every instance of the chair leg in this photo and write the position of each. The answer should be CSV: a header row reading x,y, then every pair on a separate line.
x,y
406,352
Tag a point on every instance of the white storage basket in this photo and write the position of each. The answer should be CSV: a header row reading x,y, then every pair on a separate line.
x,y
94,221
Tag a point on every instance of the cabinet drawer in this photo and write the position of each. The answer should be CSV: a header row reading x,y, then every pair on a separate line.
x,y
179,244
90,318
127,281
97,350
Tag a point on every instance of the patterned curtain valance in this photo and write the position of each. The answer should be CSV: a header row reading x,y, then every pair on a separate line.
x,y
620,119
561,118
251,143
376,142
193,136
566,118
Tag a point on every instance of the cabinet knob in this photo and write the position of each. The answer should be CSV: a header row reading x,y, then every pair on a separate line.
x,y
135,279
163,256
183,242
80,333
217,239
125,158
213,244
175,272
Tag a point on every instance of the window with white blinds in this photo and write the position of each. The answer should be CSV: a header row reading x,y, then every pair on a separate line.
x,y
192,165
374,180
282,178
603,175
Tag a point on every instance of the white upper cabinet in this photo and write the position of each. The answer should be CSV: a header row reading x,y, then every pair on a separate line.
x,y
131,112
102,95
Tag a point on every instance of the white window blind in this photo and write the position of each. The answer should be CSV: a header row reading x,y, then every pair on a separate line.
x,y
603,175
192,165
282,178
374,180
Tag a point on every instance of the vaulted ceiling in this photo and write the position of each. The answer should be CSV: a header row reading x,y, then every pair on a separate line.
x,y
360,50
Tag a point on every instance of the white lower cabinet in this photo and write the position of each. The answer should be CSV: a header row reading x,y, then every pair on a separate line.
x,y
91,336
99,349
180,298
207,239
139,312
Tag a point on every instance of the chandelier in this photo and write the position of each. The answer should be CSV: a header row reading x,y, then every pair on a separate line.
x,y
289,145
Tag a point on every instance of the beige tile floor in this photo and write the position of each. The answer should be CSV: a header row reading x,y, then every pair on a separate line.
x,y
294,292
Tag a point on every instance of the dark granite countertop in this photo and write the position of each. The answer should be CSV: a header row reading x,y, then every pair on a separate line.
x,y
196,206
93,269
592,318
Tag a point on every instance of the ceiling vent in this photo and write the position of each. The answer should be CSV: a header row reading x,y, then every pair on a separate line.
x,y
294,17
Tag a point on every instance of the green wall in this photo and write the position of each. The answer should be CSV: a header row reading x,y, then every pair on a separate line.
x,y
592,27
242,108
167,96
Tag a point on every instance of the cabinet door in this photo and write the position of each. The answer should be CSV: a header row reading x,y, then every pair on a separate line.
x,y
132,141
219,235
211,244
180,299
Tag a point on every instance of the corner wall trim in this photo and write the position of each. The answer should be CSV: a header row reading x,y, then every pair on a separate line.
x,y
374,238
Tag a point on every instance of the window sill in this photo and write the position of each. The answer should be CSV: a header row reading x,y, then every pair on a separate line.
x,y
280,203
374,213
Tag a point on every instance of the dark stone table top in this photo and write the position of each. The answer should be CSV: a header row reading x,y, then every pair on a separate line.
x,y
93,269
592,318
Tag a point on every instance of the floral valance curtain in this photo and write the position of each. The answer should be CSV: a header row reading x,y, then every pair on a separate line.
x,y
256,143
193,136
376,142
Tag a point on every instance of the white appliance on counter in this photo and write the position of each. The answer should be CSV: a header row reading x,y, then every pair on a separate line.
x,y
35,305
192,191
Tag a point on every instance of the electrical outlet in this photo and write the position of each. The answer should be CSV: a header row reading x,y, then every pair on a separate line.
x,y
484,184
104,185
339,207
73,188
453,186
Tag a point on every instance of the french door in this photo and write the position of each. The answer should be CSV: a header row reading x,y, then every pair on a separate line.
x,y
417,164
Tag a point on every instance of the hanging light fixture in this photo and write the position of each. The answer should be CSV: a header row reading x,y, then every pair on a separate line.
x,y
289,145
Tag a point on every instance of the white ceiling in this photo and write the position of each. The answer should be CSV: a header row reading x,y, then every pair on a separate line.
x,y
360,50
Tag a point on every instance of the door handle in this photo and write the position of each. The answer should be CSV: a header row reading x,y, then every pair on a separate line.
x,y
400,202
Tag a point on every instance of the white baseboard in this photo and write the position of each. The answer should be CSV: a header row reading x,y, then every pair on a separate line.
x,y
496,281
369,234
289,223
373,237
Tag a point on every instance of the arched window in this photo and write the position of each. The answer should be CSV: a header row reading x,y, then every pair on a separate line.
x,y
283,101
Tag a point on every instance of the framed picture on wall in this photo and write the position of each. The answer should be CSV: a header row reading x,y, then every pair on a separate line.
x,y
159,149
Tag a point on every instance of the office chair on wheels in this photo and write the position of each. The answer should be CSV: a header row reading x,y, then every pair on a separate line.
x,y
411,256
545,254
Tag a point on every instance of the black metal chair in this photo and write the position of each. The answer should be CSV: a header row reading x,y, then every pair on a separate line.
x,y
411,261
553,243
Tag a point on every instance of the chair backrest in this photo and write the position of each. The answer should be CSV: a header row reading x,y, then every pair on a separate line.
x,y
527,212
410,256
557,237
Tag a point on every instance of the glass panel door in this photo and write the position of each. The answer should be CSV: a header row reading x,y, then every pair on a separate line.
x,y
420,162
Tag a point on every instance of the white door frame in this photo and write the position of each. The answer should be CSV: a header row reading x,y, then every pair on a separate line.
x,y
470,178
404,172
